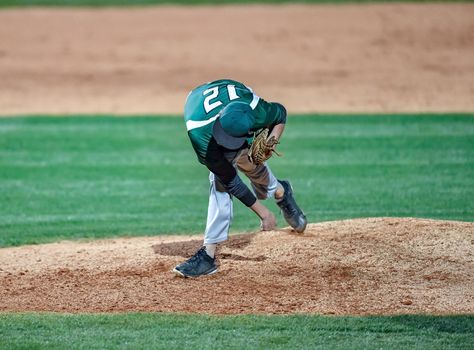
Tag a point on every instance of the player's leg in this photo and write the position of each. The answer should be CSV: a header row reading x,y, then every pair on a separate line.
x,y
292,213
219,217
266,185
219,213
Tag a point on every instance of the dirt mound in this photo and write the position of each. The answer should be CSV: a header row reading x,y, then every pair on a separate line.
x,y
365,266
325,58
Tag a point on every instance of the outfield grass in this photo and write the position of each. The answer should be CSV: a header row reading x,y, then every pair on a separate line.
x,y
158,331
77,177
22,3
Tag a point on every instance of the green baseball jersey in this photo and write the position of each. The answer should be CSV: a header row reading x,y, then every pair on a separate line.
x,y
206,101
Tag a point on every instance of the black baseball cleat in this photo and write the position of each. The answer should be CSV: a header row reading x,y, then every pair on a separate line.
x,y
200,264
293,215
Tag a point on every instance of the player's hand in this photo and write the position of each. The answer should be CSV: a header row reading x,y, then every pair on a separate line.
x,y
268,222
267,219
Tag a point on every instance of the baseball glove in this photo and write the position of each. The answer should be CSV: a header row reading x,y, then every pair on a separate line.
x,y
262,147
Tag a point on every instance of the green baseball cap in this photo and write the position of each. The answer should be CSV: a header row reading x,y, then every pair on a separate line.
x,y
233,125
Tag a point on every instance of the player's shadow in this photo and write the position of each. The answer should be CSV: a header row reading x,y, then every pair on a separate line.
x,y
186,249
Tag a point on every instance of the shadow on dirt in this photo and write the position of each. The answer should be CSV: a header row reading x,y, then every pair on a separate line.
x,y
187,248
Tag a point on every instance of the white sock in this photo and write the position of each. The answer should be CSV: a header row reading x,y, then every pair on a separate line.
x,y
211,249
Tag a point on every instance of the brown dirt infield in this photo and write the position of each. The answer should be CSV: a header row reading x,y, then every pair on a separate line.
x,y
327,58
364,266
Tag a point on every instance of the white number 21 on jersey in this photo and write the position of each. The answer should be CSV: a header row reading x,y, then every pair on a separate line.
x,y
212,94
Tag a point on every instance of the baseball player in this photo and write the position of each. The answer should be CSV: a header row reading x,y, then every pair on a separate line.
x,y
221,117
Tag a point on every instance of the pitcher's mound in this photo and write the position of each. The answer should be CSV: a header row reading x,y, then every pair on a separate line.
x,y
364,266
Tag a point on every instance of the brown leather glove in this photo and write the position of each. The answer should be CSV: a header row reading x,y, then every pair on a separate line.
x,y
262,147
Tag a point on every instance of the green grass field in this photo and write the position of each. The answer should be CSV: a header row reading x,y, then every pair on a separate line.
x,y
158,331
68,178
88,177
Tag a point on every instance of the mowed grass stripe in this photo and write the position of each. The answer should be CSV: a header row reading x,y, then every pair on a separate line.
x,y
165,331
76,177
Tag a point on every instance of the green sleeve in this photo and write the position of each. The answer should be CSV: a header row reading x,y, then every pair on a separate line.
x,y
269,114
277,113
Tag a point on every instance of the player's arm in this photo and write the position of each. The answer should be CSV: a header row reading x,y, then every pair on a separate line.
x,y
275,119
277,131
228,176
